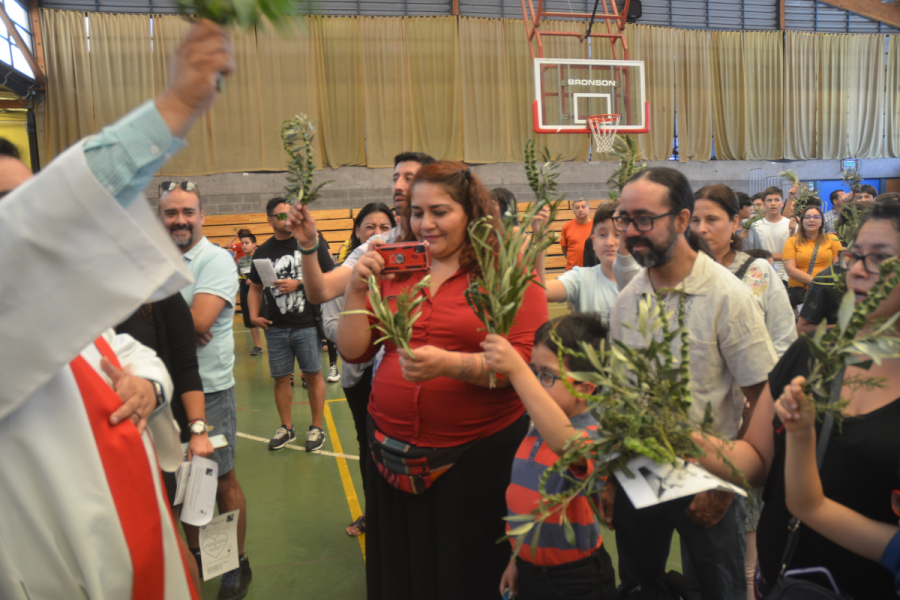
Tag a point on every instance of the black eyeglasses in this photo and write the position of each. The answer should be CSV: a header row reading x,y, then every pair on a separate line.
x,y
642,222
871,262
169,186
545,377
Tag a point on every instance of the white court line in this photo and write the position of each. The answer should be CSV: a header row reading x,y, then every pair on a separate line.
x,y
297,448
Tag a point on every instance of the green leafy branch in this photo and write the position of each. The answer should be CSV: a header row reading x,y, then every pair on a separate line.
x,y
244,13
297,136
507,266
853,179
758,215
805,198
396,325
848,222
642,404
846,344
625,148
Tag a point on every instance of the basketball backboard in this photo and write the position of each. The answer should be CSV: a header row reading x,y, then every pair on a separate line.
x,y
569,90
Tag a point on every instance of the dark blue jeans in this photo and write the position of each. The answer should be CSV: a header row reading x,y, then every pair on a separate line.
x,y
644,537
591,578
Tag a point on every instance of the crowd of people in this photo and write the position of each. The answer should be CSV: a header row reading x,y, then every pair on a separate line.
x,y
446,449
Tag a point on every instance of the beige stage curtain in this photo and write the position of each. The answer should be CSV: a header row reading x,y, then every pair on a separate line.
x,y
388,96
70,95
484,90
832,120
864,79
340,88
763,95
435,83
892,108
800,95
235,120
656,47
121,64
287,70
197,157
693,95
728,94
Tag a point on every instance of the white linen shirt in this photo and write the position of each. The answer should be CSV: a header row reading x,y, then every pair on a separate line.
x,y
728,340
763,282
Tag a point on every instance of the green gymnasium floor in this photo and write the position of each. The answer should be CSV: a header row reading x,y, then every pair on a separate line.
x,y
298,505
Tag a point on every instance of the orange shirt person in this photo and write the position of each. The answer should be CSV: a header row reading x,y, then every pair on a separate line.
x,y
575,233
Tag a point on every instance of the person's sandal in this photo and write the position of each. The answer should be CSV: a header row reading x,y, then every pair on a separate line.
x,y
359,524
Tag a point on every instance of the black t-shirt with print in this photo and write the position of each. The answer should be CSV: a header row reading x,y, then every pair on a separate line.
x,y
288,310
860,469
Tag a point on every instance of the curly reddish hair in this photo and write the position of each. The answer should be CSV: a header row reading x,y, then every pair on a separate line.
x,y
466,189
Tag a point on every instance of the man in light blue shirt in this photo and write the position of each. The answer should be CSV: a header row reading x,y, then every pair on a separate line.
x,y
212,300
592,289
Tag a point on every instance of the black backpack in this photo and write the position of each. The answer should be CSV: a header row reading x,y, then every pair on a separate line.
x,y
671,586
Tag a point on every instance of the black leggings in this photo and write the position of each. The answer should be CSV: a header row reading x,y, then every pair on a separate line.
x,y
358,401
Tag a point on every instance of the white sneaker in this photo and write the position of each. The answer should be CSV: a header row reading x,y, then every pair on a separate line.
x,y
333,374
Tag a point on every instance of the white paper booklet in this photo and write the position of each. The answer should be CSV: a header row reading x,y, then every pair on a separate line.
x,y
198,481
654,484
266,271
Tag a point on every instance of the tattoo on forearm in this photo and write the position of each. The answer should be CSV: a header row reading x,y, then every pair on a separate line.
x,y
472,368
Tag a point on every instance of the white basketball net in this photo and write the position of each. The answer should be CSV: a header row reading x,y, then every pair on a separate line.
x,y
603,128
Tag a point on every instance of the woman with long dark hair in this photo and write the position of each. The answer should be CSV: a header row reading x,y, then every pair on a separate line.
x,y
442,440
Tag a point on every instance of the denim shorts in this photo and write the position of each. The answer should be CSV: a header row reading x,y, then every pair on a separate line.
x,y
221,413
284,344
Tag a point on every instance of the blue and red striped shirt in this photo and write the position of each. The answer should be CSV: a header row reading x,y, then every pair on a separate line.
x,y
522,496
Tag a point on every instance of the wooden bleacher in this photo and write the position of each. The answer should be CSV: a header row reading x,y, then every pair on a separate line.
x,y
337,224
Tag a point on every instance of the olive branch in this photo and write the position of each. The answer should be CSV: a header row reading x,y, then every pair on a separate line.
x,y
805,198
297,136
853,179
849,221
244,13
641,403
496,295
625,148
758,215
834,348
395,325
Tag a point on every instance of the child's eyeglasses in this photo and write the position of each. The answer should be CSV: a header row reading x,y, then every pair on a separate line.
x,y
169,186
545,377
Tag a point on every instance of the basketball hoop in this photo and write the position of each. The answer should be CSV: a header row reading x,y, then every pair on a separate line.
x,y
603,128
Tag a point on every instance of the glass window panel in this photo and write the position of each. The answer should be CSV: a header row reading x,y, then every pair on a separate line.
x,y
18,14
20,63
3,32
4,52
26,37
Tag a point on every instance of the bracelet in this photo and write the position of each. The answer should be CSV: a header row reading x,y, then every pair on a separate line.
x,y
311,250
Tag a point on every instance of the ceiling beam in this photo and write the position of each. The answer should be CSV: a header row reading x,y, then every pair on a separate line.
x,y
887,13
29,56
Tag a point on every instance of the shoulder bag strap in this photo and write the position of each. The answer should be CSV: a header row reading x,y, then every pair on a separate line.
x,y
812,262
824,436
745,267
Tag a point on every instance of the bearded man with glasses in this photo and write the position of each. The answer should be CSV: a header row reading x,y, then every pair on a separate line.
x,y
730,358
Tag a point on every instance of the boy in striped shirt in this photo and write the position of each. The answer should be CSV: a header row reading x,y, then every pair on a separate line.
x,y
549,567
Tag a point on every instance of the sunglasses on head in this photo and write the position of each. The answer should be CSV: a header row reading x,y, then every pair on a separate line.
x,y
169,186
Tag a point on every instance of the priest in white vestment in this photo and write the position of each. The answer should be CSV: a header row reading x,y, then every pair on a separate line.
x,y
83,512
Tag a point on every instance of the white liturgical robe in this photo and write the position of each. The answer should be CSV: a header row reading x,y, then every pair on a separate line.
x,y
83,512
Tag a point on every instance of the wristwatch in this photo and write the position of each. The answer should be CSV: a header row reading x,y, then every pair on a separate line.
x,y
160,393
198,427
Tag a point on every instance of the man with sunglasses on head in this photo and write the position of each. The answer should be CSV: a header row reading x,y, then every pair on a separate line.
x,y
730,358
212,300
289,320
